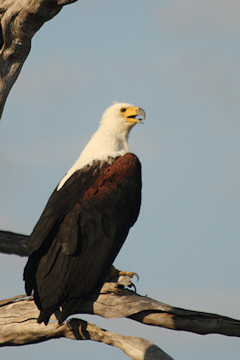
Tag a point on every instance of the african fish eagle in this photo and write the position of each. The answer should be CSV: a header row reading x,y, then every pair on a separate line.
x,y
87,218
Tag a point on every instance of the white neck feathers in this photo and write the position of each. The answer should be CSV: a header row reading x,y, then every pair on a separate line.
x,y
104,143
111,138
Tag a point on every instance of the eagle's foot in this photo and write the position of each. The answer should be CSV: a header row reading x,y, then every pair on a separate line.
x,y
123,278
129,274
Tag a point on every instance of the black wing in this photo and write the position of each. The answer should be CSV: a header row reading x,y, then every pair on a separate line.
x,y
80,233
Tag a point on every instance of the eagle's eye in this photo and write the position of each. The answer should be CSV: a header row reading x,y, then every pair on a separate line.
x,y
123,109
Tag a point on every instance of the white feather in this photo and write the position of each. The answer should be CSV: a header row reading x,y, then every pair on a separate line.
x,y
111,139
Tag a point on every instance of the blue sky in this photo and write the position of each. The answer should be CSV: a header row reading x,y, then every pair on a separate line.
x,y
179,60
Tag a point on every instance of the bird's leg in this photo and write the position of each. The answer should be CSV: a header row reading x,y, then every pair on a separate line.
x,y
122,277
130,274
115,273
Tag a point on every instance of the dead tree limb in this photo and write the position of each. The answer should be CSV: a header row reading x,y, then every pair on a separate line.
x,y
19,21
115,301
12,243
18,326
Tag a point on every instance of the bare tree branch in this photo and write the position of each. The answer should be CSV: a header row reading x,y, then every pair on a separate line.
x,y
12,243
18,315
115,301
19,21
18,326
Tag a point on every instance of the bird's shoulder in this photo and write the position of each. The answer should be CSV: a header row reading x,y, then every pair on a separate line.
x,y
96,178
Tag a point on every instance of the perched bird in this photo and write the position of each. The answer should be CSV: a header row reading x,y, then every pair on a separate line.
x,y
87,218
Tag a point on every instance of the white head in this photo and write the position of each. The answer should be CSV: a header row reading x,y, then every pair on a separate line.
x,y
121,117
111,138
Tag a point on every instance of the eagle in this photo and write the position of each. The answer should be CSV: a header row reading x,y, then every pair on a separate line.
x,y
86,219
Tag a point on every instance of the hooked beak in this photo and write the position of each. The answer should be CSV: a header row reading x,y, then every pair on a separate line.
x,y
135,115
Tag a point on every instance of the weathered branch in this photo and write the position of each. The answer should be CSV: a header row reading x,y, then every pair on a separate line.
x,y
12,243
18,326
19,21
18,315
115,301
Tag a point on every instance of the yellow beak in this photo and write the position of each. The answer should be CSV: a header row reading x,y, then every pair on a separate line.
x,y
134,115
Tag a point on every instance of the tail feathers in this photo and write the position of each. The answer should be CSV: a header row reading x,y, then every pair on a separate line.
x,y
29,287
45,315
71,307
29,274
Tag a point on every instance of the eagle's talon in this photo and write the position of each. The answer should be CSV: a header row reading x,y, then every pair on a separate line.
x,y
136,275
115,273
129,274
125,282
133,286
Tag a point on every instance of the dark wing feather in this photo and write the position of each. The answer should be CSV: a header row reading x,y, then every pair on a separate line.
x,y
62,201
81,244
